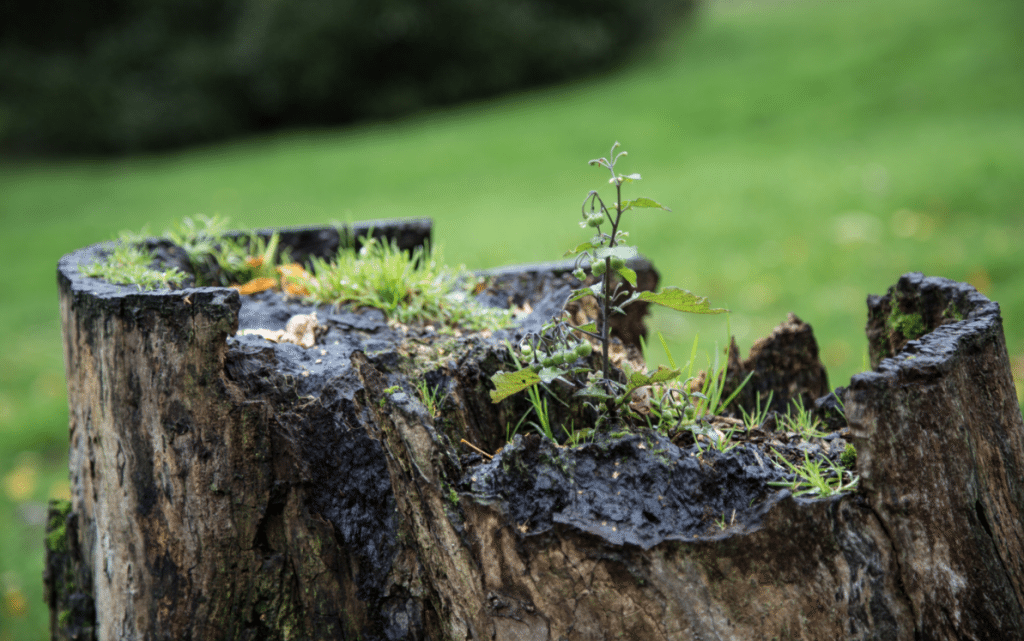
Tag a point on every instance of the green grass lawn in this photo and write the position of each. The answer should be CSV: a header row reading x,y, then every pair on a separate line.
x,y
811,153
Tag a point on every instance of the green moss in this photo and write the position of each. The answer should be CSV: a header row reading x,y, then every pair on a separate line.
x,y
911,325
952,311
129,264
849,456
56,529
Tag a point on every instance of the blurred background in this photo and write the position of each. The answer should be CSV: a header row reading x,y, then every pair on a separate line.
x,y
811,152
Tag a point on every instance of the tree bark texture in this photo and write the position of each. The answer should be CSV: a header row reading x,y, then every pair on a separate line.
x,y
227,488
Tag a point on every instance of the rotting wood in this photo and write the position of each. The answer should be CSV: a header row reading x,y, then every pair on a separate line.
x,y
216,496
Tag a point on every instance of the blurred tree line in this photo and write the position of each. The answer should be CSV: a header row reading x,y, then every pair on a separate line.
x,y
111,76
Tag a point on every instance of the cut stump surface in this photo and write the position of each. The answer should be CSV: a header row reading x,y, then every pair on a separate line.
x,y
227,487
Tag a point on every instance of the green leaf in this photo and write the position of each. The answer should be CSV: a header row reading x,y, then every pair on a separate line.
x,y
577,294
680,300
582,247
624,252
639,379
508,383
548,374
636,380
643,202
628,274
589,327
592,391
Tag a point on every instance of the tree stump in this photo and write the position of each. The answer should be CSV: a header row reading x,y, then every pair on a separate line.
x,y
225,487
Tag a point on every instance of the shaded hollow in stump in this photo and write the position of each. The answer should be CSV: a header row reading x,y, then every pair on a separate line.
x,y
227,487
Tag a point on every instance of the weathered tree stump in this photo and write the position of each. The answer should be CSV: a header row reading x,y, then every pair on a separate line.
x,y
229,488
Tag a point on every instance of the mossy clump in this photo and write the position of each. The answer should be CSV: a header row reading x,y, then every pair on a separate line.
x,y
910,325
849,456
56,530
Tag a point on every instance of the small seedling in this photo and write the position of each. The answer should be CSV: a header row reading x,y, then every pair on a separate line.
x,y
130,264
406,285
759,415
429,396
562,352
540,404
802,421
722,439
817,477
709,398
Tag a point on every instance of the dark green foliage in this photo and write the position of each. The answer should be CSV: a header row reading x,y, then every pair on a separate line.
x,y
122,75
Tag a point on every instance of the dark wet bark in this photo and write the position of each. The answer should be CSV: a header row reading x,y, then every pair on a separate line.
x,y
938,428
229,488
782,368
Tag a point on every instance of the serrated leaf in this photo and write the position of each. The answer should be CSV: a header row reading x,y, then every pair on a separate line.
x,y
636,380
588,327
643,202
548,374
508,383
577,294
628,274
593,392
579,248
624,252
680,300
639,379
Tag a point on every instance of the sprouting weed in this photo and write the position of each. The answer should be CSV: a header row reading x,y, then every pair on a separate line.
x,y
405,285
803,421
561,351
816,477
429,396
760,414
129,264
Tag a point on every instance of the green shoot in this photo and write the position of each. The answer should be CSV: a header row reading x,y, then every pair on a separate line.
x,y
668,352
723,439
803,421
129,264
540,408
407,286
816,477
556,352
540,405
579,437
710,396
760,414
428,396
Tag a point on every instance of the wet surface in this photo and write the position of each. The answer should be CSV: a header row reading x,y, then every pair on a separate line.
x,y
637,489
634,488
